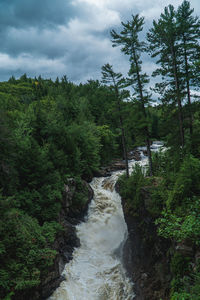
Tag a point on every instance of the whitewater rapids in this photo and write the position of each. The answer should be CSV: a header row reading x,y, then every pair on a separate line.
x,y
96,271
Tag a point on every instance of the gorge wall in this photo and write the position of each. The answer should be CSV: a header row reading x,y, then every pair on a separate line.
x,y
75,201
145,256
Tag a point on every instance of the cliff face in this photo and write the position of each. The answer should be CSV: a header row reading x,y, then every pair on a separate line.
x,y
72,212
145,254
75,201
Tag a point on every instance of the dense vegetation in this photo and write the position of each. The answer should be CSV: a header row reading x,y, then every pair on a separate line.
x,y
49,131
174,205
174,190
54,130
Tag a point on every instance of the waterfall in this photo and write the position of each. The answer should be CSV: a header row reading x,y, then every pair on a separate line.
x,y
96,271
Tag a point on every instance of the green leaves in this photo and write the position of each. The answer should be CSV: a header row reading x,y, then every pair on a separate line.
x,y
130,189
128,37
47,134
25,253
180,228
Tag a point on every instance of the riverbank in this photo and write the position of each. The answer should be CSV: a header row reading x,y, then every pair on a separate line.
x,y
72,213
161,254
96,270
145,256
145,253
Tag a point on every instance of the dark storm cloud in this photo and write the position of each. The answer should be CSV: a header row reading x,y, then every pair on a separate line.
x,y
37,13
30,26
52,38
33,40
72,37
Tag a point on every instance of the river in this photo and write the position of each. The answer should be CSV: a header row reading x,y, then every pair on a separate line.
x,y
96,271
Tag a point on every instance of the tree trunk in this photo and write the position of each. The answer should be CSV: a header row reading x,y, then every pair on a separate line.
x,y
123,138
122,129
180,114
188,88
124,147
145,116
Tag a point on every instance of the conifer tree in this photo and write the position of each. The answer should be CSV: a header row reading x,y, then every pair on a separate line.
x,y
116,82
188,34
163,39
133,47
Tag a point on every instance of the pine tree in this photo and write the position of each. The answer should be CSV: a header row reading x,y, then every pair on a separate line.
x,y
188,34
163,40
133,47
116,82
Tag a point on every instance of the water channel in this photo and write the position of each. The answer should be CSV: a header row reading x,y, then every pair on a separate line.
x,y
96,271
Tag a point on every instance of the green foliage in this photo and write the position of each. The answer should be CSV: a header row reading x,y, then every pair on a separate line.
x,y
187,287
174,40
8,297
131,45
180,192
173,200
48,132
108,143
130,189
156,197
182,226
179,220
179,264
181,296
186,184
24,249
51,131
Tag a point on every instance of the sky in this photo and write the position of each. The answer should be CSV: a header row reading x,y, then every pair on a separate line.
x,y
69,37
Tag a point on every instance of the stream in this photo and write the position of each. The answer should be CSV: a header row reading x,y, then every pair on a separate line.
x,y
96,271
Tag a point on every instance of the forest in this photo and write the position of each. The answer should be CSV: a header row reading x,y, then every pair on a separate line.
x,y
53,130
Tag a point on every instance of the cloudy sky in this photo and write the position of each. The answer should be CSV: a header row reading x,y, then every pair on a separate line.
x,y
68,37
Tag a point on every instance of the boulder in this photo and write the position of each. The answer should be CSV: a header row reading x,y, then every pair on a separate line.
x,y
135,154
145,152
185,249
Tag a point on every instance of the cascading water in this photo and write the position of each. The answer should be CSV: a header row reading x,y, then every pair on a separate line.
x,y
96,271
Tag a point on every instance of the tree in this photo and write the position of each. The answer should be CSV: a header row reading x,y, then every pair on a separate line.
x,y
116,84
133,47
163,37
188,33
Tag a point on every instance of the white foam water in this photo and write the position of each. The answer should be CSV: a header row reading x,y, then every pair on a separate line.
x,y
96,271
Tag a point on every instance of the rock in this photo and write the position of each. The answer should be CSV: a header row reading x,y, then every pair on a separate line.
x,y
185,250
145,152
145,253
103,172
107,171
66,240
146,197
144,276
197,257
68,192
74,211
135,154
118,165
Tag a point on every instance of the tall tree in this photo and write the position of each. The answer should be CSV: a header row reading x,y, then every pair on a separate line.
x,y
163,39
188,33
133,47
116,82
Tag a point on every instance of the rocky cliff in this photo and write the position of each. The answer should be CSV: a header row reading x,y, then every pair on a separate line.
x,y
75,201
145,254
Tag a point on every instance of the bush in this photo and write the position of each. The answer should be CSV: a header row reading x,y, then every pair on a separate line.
x,y
186,184
25,254
130,188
